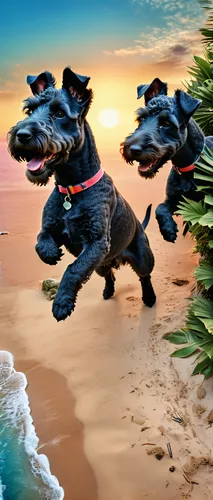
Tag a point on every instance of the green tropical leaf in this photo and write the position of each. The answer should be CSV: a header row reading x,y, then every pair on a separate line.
x,y
207,219
206,4
208,322
200,357
208,199
197,335
204,274
185,351
208,371
204,188
208,150
195,325
202,308
177,337
202,177
207,159
208,348
201,366
191,211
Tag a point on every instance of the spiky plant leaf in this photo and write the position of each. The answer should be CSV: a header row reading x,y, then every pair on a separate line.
x,y
201,366
177,338
191,211
208,199
204,274
185,351
204,188
207,219
208,322
196,326
197,334
202,308
203,177
208,371
208,348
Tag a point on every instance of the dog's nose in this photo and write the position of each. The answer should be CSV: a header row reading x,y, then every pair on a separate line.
x,y
135,149
24,135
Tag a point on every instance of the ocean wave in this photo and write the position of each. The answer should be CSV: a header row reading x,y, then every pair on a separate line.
x,y
24,474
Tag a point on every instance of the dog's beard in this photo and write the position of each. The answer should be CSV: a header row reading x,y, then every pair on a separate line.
x,y
148,163
41,179
42,157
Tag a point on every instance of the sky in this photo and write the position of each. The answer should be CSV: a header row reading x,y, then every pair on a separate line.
x,y
118,43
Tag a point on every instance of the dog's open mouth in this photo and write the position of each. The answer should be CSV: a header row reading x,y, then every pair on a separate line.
x,y
38,164
146,166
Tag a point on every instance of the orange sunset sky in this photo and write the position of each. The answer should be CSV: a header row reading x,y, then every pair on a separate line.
x,y
119,44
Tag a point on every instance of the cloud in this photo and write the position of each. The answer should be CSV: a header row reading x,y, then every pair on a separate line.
x,y
175,41
160,46
170,5
179,50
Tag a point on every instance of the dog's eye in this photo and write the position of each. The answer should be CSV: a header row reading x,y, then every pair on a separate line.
x,y
28,112
59,114
165,124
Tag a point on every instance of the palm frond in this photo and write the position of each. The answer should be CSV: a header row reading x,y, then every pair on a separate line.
x,y
197,334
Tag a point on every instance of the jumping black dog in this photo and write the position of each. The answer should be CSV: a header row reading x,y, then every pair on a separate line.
x,y
85,212
167,131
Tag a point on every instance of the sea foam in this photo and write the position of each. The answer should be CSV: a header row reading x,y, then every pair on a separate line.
x,y
24,474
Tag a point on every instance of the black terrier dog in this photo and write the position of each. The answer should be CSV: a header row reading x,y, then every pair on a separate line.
x,y
167,131
85,212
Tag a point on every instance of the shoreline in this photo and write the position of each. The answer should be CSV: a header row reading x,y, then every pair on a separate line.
x,y
97,379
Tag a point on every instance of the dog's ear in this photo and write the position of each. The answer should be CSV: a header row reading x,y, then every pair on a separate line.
x,y
86,102
74,83
187,103
157,87
41,82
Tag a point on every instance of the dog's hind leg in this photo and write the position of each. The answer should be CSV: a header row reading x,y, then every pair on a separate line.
x,y
107,273
148,294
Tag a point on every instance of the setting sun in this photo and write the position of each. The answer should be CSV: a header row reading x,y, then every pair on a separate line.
x,y
109,118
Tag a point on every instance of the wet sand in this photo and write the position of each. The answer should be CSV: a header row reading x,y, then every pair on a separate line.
x,y
102,384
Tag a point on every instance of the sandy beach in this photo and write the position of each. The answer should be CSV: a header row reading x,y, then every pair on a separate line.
x,y
101,385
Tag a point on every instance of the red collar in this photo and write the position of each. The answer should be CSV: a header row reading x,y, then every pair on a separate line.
x,y
83,186
182,170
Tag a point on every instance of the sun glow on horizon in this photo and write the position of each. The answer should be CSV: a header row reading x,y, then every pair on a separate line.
x,y
108,118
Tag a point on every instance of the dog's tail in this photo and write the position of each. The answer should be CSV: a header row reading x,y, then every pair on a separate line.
x,y
147,216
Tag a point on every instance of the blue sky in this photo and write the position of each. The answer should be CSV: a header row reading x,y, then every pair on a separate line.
x,y
117,42
30,31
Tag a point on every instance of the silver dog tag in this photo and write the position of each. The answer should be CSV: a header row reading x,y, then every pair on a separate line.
x,y
67,205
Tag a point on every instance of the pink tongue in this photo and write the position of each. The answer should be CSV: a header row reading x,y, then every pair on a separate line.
x,y
144,168
35,164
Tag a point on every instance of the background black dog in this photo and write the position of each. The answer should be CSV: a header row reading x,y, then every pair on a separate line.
x,y
85,212
167,131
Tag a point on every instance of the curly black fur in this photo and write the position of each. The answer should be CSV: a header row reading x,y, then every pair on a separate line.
x,y
167,131
100,229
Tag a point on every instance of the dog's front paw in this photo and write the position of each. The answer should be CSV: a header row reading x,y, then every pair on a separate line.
x,y
169,232
48,251
62,307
